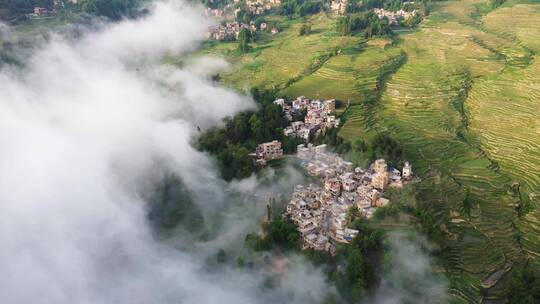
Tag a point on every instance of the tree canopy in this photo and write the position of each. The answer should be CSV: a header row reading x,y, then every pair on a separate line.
x,y
112,9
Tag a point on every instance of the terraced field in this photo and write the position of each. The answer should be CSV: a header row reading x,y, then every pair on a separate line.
x,y
277,60
425,107
518,22
352,75
462,96
504,111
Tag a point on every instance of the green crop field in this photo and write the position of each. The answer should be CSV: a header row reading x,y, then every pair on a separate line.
x,y
461,94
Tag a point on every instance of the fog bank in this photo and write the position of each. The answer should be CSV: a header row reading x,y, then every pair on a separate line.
x,y
86,125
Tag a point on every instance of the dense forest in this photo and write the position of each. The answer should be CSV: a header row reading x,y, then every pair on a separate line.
x,y
112,9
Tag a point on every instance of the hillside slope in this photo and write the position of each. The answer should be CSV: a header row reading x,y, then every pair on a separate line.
x,y
461,94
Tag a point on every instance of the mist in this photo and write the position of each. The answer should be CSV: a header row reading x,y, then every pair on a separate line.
x,y
408,275
87,126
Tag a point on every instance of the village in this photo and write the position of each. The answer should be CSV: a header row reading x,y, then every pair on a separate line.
x,y
394,17
320,210
231,30
317,120
255,7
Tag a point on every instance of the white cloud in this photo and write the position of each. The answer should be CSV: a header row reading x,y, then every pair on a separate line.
x,y
84,127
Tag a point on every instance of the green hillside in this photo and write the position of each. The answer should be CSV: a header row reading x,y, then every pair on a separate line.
x,y
461,94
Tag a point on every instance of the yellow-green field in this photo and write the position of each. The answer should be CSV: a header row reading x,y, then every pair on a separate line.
x,y
350,76
277,59
461,94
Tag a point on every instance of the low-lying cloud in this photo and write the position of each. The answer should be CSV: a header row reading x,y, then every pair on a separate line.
x,y
86,125
409,276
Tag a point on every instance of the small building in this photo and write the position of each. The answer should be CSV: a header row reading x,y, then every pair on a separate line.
x,y
330,105
339,6
320,148
280,102
333,185
380,166
41,11
349,185
381,202
407,171
268,151
288,131
380,180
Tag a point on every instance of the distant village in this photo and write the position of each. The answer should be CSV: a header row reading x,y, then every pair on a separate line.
x,y
231,30
320,210
394,17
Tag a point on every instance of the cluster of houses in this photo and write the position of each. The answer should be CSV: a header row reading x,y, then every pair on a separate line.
x,y
318,117
231,30
259,7
321,210
394,17
339,6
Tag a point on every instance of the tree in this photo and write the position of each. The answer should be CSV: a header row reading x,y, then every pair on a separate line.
x,y
240,262
355,272
384,146
112,9
496,3
360,146
305,29
344,26
282,232
353,213
244,37
257,128
221,256
171,206
308,7
523,285
424,9
467,201
353,6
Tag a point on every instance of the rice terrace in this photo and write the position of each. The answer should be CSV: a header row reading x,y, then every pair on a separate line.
x,y
461,94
